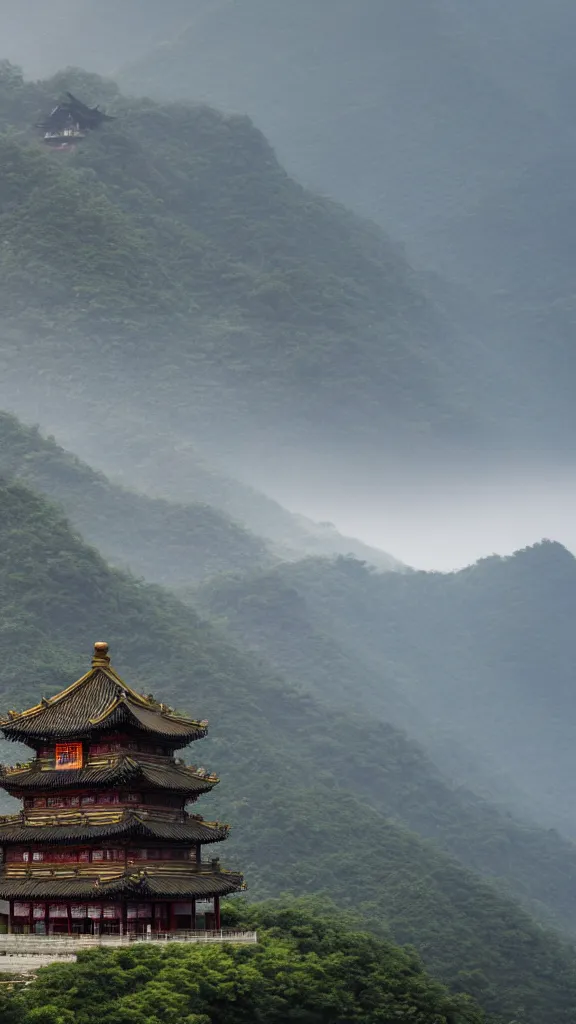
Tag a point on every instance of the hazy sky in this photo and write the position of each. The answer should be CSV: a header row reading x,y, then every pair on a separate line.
x,y
446,522
436,514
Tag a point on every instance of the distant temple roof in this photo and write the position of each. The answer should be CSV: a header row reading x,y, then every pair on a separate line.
x,y
72,111
100,701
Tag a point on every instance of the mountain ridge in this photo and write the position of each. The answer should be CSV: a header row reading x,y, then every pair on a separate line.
x,y
450,657
171,542
290,773
179,222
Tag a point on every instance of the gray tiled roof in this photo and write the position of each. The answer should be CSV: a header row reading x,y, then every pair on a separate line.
x,y
140,886
121,770
131,824
100,701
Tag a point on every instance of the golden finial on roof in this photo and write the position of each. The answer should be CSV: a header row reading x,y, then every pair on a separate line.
x,y
101,657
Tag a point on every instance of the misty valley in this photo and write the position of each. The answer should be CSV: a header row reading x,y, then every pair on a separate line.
x,y
286,467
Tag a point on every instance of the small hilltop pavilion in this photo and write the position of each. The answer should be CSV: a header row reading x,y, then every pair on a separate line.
x,y
103,845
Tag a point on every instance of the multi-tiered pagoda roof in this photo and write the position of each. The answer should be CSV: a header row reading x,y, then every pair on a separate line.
x,y
104,820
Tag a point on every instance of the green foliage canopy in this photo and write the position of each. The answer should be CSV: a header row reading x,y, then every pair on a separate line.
x,y
308,967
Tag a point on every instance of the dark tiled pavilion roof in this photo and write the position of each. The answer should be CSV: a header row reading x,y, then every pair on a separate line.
x,y
17,830
100,701
138,886
120,770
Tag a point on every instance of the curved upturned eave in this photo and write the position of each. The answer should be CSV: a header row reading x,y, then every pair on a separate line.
x,y
131,825
98,701
143,885
173,778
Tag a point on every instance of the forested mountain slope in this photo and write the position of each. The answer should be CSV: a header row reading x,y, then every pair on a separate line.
x,y
164,542
412,113
451,123
287,765
170,542
477,664
275,307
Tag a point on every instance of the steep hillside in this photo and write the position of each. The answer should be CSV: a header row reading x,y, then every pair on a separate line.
x,y
477,664
283,317
168,542
450,123
164,542
479,94
286,762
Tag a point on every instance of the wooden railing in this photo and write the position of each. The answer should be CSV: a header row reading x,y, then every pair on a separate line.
x,y
62,944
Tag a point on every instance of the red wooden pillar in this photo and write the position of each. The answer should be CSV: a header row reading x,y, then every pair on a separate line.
x,y
10,916
172,919
217,913
69,909
193,920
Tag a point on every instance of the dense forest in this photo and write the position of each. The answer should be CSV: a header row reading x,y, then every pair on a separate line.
x,y
477,664
309,965
289,766
178,222
449,124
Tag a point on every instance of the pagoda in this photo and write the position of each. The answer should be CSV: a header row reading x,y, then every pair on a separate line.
x,y
103,843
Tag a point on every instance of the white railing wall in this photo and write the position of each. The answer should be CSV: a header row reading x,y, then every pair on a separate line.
x,y
55,944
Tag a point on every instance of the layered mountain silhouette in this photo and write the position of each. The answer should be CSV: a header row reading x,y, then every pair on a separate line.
x,y
476,664
318,798
176,543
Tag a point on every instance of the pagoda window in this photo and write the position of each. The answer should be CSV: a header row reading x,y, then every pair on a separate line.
x,y
107,798
28,801
90,798
165,853
58,910
133,798
110,747
39,801
68,756
16,856
74,801
56,801
62,856
141,910
108,854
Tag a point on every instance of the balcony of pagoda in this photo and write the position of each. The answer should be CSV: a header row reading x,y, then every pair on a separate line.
x,y
106,872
